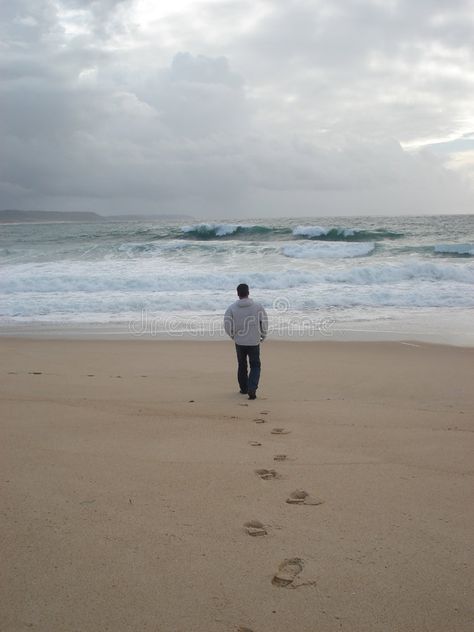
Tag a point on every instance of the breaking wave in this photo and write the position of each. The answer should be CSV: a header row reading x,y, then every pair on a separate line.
x,y
213,231
416,271
258,231
101,277
343,234
460,250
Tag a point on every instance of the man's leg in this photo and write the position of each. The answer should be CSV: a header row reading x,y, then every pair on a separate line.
x,y
254,357
242,369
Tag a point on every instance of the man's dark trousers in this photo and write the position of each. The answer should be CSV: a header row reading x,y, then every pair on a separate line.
x,y
248,382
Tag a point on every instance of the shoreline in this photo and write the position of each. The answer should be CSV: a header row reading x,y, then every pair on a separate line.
x,y
119,332
165,339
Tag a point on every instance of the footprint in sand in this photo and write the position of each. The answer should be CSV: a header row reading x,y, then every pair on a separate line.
x,y
90,375
35,372
267,475
280,457
259,420
255,528
280,431
255,444
244,629
300,497
264,412
287,572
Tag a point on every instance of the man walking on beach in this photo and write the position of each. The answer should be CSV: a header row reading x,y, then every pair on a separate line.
x,y
246,322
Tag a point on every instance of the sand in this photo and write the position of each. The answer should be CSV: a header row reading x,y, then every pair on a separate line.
x,y
140,490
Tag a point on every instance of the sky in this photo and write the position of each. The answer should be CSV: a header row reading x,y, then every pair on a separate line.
x,y
237,108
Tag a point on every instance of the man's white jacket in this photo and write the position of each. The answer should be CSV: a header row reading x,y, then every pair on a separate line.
x,y
246,322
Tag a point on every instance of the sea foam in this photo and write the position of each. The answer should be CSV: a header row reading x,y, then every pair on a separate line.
x,y
327,250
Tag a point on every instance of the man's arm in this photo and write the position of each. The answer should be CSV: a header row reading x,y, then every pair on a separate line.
x,y
229,323
263,322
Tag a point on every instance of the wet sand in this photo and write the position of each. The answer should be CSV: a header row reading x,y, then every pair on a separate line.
x,y
140,491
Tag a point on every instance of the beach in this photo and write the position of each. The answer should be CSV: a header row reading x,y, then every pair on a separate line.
x,y
132,472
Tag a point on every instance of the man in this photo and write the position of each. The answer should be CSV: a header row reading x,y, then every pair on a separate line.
x,y
246,322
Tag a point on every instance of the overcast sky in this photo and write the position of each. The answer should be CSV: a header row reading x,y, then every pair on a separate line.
x,y
237,108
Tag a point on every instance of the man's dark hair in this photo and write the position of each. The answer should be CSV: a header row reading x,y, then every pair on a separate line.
x,y
243,290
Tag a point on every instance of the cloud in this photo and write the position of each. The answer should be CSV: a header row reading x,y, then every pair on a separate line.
x,y
196,96
216,109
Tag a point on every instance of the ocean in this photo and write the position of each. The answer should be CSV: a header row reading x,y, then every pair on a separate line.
x,y
342,277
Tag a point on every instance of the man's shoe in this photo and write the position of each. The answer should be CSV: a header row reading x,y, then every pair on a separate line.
x,y
243,392
252,395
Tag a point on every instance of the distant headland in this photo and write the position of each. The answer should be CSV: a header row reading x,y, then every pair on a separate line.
x,y
14,216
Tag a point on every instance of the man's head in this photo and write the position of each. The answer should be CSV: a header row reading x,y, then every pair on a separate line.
x,y
243,290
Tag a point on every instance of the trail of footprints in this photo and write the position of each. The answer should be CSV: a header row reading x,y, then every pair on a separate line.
x,y
289,569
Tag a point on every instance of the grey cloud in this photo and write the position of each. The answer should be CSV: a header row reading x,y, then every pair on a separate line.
x,y
288,116
196,96
24,22
102,18
200,69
